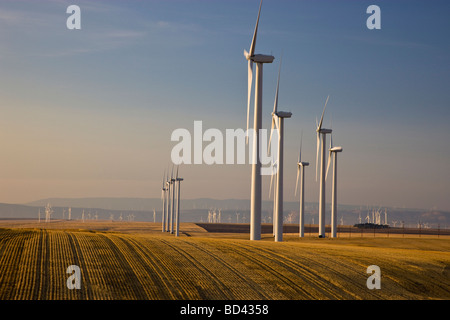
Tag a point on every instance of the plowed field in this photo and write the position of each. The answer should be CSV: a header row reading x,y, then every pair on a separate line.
x,y
152,265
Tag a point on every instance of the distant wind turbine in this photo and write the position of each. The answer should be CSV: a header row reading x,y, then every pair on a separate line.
x,y
178,187
172,210
301,169
322,205
163,198
255,199
166,228
335,151
274,213
278,122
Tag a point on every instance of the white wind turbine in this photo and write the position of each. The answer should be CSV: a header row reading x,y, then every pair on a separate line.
x,y
172,209
274,213
178,187
301,169
278,122
255,199
163,198
168,202
48,212
322,205
335,151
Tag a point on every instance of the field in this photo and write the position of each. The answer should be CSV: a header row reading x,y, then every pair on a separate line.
x,y
136,261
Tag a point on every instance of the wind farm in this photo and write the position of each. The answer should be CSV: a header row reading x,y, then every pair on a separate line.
x,y
106,193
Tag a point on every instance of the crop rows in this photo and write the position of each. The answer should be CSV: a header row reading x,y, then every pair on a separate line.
x,y
33,265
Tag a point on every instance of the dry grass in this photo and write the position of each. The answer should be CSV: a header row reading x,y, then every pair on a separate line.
x,y
134,260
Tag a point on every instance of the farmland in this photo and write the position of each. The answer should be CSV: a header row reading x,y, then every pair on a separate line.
x,y
135,261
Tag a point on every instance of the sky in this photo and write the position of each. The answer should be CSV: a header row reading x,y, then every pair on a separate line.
x,y
90,112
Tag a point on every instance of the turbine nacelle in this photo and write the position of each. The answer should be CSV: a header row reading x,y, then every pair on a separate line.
x,y
324,131
303,164
336,149
261,58
282,114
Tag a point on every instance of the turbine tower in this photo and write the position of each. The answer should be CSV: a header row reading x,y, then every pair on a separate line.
x,y
255,198
335,151
163,198
178,187
172,209
169,202
278,122
301,169
322,132
274,213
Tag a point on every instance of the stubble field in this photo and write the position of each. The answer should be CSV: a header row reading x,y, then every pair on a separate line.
x,y
136,261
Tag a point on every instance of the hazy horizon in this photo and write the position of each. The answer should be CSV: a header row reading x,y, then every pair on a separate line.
x,y
90,112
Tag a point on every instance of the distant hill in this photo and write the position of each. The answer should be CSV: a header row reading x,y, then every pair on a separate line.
x,y
196,210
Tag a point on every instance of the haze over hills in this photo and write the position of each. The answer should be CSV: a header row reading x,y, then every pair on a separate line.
x,y
232,211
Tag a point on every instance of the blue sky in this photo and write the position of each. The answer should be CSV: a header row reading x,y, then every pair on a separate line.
x,y
90,112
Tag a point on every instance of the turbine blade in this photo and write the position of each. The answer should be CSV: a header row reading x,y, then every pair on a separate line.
x,y
296,183
177,171
250,82
323,112
317,153
275,104
271,132
300,149
252,46
328,166
270,189
271,179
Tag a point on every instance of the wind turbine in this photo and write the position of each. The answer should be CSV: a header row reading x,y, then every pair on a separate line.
x,y
274,213
322,132
163,198
335,151
278,122
178,187
172,209
255,198
301,169
169,203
